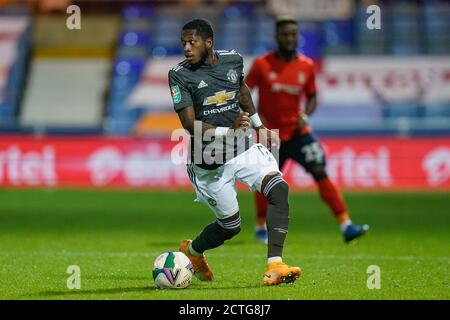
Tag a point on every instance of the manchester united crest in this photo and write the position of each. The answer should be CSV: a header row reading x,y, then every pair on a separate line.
x,y
232,76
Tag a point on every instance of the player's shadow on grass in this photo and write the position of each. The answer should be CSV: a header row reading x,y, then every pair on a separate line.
x,y
68,292
142,290
114,277
110,277
224,287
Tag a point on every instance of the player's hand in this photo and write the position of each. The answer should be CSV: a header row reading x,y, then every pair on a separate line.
x,y
242,122
302,121
268,138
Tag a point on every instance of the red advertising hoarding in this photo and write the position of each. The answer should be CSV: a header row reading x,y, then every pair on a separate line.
x,y
94,162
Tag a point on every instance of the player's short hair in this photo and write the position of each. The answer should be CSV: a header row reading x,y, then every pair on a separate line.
x,y
202,27
281,21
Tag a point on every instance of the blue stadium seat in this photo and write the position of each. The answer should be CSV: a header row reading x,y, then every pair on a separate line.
x,y
310,40
140,53
235,30
124,82
128,67
436,23
15,81
263,34
137,25
338,36
7,113
122,121
235,35
136,11
405,29
369,41
242,10
166,31
134,38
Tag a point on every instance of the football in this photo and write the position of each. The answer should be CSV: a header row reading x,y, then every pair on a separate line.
x,y
172,270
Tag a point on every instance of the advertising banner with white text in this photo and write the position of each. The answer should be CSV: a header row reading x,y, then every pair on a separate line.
x,y
94,162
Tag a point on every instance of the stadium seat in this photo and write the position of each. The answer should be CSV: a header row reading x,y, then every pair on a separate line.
x,y
263,33
134,38
140,53
236,11
7,114
122,121
12,86
127,66
138,11
370,41
436,23
235,35
310,40
338,36
235,28
137,25
166,33
406,29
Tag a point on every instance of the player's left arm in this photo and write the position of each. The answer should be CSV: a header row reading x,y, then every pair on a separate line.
x,y
311,98
269,137
311,104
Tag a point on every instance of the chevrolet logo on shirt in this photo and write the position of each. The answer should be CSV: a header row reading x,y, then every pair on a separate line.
x,y
219,98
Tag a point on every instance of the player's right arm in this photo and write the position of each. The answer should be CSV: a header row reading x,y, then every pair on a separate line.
x,y
187,119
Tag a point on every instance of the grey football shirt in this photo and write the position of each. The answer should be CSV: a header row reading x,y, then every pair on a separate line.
x,y
213,91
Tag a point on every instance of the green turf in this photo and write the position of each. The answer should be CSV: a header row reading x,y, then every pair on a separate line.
x,y
115,236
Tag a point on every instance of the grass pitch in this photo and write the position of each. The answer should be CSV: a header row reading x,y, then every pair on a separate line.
x,y
114,237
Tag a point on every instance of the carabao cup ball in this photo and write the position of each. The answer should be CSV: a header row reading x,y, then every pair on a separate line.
x,y
172,270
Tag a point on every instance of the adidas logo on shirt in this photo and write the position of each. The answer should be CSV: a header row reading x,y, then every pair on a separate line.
x,y
202,84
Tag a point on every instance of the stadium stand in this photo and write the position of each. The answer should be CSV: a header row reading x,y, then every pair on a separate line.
x,y
15,34
149,34
367,41
65,92
133,49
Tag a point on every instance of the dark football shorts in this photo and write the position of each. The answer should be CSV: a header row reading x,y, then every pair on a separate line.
x,y
304,149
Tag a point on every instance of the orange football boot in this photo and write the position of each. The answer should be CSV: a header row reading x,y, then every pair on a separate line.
x,y
200,267
279,272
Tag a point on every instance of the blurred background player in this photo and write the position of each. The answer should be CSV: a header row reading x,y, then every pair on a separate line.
x,y
208,93
283,78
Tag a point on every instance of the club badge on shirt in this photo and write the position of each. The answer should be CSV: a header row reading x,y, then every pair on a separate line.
x,y
232,76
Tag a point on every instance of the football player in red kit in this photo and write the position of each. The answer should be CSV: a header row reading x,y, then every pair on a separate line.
x,y
283,78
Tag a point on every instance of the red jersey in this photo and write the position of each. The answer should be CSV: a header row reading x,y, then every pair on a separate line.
x,y
281,86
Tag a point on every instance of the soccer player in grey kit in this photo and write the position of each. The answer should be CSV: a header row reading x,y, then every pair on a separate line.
x,y
215,106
